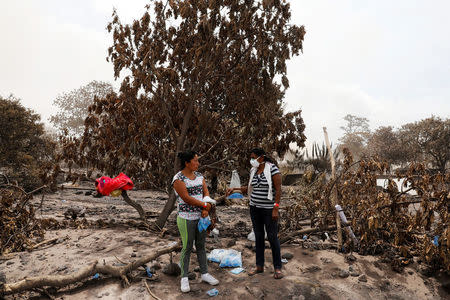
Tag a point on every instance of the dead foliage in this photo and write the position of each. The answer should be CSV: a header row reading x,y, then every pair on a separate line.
x,y
27,153
18,223
193,72
386,221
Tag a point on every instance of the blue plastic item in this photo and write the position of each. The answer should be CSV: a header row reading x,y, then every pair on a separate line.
x,y
149,274
305,237
216,255
226,257
232,259
213,292
236,271
203,223
96,276
236,196
436,240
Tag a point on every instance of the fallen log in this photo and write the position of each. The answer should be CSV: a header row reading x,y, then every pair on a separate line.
x,y
80,188
88,271
291,235
43,243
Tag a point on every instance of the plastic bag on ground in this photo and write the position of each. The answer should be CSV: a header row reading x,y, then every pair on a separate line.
x,y
251,236
232,259
237,271
213,292
216,255
226,257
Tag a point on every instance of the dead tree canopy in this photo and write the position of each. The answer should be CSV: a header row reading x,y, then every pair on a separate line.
x,y
205,75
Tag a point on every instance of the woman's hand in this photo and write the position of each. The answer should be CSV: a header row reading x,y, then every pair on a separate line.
x,y
207,207
275,213
204,213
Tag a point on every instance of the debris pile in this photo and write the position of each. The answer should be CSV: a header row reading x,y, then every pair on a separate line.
x,y
17,220
386,221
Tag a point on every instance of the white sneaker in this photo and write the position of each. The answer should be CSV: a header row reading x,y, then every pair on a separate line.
x,y
185,285
209,279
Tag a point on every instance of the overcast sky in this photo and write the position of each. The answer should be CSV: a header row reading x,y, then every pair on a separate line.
x,y
388,61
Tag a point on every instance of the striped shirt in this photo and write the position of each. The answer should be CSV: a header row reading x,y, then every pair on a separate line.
x,y
260,189
195,189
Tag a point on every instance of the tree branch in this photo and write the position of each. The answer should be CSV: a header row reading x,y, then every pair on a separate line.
x,y
90,270
136,206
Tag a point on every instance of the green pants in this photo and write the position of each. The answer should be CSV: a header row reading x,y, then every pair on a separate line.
x,y
189,233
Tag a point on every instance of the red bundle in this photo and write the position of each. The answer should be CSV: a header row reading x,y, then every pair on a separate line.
x,y
105,185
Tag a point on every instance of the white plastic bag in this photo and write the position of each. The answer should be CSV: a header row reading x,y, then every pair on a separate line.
x,y
235,181
216,255
226,257
232,258
251,235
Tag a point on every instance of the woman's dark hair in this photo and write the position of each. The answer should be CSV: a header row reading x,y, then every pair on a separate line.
x,y
186,156
261,152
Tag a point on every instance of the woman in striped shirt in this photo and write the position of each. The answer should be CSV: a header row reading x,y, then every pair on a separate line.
x,y
264,189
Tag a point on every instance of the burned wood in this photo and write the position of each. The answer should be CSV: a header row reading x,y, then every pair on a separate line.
x,y
65,187
7,257
6,178
293,234
90,270
47,242
18,220
220,200
135,205
149,291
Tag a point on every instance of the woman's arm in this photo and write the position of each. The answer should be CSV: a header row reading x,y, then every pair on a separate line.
x,y
276,179
205,193
180,188
205,189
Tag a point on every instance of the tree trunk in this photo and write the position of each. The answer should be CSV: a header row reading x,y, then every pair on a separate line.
x,y
136,206
180,140
334,192
168,208
291,235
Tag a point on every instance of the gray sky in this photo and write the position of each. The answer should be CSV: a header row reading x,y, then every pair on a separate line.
x,y
388,61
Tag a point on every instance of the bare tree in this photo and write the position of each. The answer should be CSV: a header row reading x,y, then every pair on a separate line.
x,y
356,134
73,106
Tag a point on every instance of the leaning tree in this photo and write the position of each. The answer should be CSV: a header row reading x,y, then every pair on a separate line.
x,y
204,75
